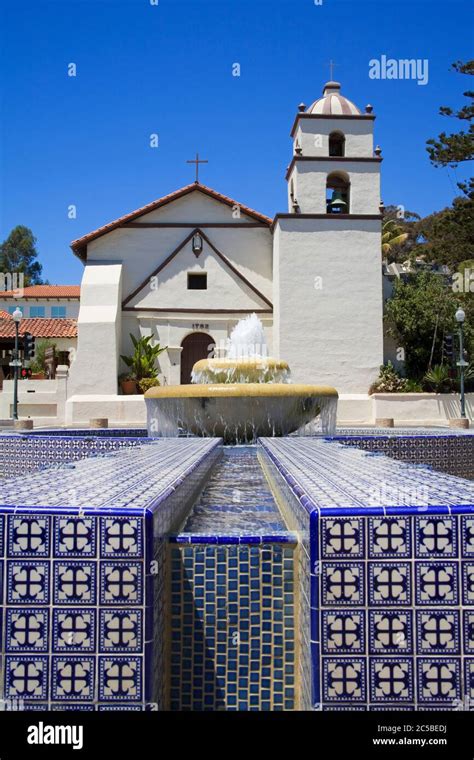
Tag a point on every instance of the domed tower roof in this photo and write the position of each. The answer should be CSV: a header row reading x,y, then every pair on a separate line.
x,y
333,103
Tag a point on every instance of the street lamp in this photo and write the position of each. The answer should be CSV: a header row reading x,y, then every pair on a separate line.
x,y
460,317
17,317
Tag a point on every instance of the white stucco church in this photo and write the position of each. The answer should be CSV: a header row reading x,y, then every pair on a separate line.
x,y
186,267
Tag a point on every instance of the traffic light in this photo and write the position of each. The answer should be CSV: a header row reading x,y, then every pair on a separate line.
x,y
28,346
448,348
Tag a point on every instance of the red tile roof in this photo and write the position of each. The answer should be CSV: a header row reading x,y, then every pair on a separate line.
x,y
79,246
38,327
43,291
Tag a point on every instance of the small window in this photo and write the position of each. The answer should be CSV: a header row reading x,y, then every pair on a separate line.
x,y
11,309
37,311
59,312
336,144
197,281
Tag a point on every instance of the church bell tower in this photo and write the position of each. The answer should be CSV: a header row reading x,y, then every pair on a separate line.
x,y
328,304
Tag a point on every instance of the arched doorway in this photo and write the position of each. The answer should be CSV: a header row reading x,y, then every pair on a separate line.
x,y
195,346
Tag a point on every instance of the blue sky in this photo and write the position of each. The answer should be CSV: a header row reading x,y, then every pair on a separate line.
x,y
167,69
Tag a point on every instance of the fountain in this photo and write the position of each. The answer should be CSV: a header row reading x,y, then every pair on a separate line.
x,y
242,396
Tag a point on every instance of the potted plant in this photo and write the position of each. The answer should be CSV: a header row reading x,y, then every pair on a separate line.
x,y
142,362
128,384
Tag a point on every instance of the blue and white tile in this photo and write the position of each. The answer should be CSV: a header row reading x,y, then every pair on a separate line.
x,y
26,677
121,583
467,535
468,583
438,631
28,536
390,632
74,582
390,583
438,679
468,625
27,629
121,536
75,536
436,583
344,679
120,630
72,677
343,632
436,536
28,582
391,679
389,537
73,629
342,537
343,584
469,680
120,678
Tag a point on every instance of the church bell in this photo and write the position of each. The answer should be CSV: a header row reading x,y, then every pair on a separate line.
x,y
337,204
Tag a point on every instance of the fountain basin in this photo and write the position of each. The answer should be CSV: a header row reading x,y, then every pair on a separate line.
x,y
245,370
239,412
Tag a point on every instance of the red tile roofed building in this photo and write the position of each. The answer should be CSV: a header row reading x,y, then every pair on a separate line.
x,y
45,291
43,301
61,332
39,328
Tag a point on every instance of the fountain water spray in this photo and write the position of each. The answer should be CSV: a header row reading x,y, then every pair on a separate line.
x,y
243,396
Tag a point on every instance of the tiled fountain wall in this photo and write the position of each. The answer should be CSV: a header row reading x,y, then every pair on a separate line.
x,y
30,452
366,602
447,452
232,623
233,590
387,578
82,572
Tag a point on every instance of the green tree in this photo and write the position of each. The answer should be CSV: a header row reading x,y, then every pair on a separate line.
x,y
447,236
419,315
392,237
18,254
396,222
453,149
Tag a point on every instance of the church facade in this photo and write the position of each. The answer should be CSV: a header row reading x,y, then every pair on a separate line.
x,y
185,268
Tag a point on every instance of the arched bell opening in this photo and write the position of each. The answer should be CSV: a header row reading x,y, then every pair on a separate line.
x,y
338,193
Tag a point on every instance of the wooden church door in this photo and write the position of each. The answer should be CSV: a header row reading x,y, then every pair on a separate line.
x,y
195,346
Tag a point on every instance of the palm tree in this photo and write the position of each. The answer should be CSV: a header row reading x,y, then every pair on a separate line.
x,y
392,236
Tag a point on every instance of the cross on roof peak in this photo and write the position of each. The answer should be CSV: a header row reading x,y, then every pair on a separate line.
x,y
332,65
197,161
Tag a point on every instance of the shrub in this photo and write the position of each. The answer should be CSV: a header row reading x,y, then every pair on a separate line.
x,y
147,382
413,386
438,379
388,381
38,362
